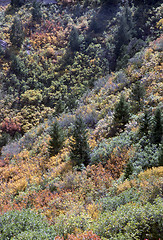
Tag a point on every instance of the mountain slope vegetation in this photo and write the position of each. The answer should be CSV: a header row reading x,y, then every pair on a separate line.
x,y
81,125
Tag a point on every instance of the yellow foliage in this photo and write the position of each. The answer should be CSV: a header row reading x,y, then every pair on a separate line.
x,y
154,172
17,186
124,186
148,54
160,24
93,210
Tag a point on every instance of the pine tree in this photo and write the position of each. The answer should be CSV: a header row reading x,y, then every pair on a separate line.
x,y
121,113
157,130
137,96
36,12
16,33
80,152
57,139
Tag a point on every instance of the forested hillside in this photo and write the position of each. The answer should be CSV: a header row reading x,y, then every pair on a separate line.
x,y
81,122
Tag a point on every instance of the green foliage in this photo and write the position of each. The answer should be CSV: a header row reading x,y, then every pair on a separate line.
x,y
112,202
31,97
146,155
103,151
20,224
66,224
80,152
132,221
121,113
16,33
57,139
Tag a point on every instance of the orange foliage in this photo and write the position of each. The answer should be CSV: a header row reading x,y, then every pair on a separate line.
x,y
117,161
51,34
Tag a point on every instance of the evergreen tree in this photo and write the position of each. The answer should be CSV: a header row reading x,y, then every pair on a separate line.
x,y
144,127
160,157
80,152
121,113
123,35
57,139
36,12
128,170
16,33
74,42
157,130
16,65
137,96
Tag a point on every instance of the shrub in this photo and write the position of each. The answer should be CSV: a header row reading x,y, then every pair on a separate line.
x,y
146,156
17,225
67,224
132,221
11,126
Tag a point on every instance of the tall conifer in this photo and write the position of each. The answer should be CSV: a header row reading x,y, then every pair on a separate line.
x,y
137,96
16,33
57,139
80,152
157,130
121,113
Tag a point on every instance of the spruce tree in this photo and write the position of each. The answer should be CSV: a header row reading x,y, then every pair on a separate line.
x,y
57,139
80,152
160,157
121,113
157,130
16,33
74,42
137,96
129,170
144,128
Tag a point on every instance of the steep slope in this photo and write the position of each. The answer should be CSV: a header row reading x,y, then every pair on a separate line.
x,y
71,66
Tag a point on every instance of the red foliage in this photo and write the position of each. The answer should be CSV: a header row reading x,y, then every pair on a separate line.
x,y
10,126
